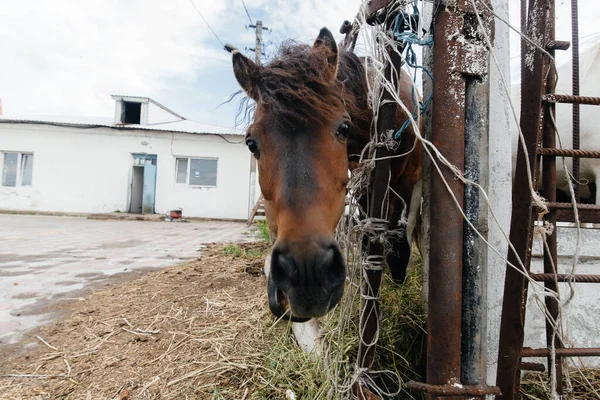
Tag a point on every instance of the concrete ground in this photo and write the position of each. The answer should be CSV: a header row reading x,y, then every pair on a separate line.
x,y
45,259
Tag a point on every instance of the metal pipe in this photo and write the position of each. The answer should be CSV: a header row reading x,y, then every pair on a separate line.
x,y
575,78
588,278
369,324
568,352
529,366
474,250
452,390
565,98
570,153
446,224
512,327
549,189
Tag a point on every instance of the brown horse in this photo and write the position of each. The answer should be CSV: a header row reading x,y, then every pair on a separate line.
x,y
312,119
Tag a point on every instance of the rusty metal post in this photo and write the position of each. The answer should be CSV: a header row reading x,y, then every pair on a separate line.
x,y
549,190
534,69
474,309
377,209
575,81
473,362
446,234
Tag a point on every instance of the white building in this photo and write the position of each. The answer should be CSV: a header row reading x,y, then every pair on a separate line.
x,y
145,159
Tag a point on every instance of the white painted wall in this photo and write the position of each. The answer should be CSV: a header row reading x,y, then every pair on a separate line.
x,y
499,186
89,170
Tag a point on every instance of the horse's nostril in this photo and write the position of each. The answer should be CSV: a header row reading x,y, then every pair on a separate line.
x,y
282,300
328,257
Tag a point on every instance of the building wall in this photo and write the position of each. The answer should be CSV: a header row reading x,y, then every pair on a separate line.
x,y
499,188
90,170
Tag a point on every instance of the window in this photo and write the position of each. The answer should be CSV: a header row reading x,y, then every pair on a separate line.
x,y
17,169
196,171
131,112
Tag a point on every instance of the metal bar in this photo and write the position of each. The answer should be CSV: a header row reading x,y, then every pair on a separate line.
x,y
551,277
550,251
585,216
558,45
575,79
568,352
587,213
446,224
376,5
453,390
529,366
377,208
474,250
521,231
569,153
569,206
565,98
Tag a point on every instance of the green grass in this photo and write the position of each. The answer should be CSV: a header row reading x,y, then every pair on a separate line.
x,y
247,251
233,250
263,230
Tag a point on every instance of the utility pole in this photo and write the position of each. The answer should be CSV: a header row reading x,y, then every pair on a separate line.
x,y
258,59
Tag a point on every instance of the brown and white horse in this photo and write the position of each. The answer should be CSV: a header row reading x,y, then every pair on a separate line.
x,y
312,119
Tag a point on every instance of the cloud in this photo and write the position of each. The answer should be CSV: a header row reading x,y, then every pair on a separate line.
x,y
66,56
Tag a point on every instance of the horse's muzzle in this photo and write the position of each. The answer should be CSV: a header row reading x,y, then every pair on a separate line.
x,y
306,279
279,304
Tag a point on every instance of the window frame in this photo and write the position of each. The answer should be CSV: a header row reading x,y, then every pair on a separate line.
x,y
18,173
124,106
188,170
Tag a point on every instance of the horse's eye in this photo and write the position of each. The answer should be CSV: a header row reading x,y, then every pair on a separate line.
x,y
252,146
343,131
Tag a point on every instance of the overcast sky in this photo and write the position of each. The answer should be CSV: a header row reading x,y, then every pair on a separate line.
x,y
64,57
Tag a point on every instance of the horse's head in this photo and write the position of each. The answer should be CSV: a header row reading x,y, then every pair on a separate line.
x,y
298,136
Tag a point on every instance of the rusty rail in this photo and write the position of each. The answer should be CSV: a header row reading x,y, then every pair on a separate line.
x,y
587,213
564,352
512,329
558,45
550,250
446,255
369,323
551,277
569,206
575,100
569,153
529,366
538,101
575,81
453,389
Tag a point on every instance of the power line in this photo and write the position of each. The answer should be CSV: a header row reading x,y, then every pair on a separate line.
x,y
247,13
206,22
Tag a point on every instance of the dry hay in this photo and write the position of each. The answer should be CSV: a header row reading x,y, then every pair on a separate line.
x,y
197,330
583,384
202,330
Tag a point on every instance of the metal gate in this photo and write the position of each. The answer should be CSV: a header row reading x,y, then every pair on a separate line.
x,y
538,100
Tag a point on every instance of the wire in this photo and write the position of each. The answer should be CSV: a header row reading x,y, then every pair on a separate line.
x,y
206,22
247,13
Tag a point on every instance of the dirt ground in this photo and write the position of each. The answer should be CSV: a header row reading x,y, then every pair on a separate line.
x,y
198,330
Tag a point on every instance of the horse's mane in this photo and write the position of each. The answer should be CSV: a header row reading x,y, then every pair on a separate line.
x,y
298,91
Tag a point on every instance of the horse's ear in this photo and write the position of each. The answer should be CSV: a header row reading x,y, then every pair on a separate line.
x,y
247,74
326,40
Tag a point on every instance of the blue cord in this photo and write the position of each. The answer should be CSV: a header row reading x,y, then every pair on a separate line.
x,y
410,37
